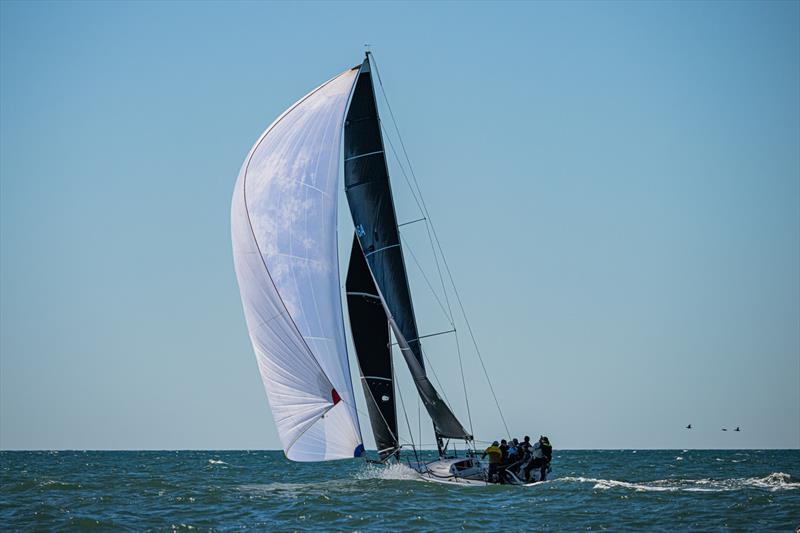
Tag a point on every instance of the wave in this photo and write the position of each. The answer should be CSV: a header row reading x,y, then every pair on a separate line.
x,y
216,462
323,489
772,482
776,481
602,484
396,471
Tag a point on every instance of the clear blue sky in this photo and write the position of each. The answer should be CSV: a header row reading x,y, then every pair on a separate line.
x,y
617,187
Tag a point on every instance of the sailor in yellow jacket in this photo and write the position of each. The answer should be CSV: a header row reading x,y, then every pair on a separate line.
x,y
495,459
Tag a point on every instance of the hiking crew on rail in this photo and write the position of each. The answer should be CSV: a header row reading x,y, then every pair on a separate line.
x,y
505,458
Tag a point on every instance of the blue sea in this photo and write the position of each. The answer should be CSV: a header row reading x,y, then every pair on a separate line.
x,y
627,490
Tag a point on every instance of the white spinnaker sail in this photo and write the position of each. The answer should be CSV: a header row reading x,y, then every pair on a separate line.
x,y
283,226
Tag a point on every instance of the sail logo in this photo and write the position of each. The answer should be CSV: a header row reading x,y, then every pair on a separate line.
x,y
360,231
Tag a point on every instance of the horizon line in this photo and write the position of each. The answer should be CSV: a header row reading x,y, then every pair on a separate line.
x,y
2,450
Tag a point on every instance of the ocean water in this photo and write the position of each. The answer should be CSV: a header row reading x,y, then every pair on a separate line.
x,y
643,490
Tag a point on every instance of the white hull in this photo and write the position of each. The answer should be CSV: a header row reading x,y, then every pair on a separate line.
x,y
467,472
469,482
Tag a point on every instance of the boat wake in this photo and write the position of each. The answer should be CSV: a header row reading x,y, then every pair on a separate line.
x,y
324,489
395,472
772,482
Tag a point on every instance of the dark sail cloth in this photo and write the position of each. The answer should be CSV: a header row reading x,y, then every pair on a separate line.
x,y
369,196
371,342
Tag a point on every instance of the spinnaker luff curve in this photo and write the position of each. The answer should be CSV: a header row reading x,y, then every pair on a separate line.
x,y
283,228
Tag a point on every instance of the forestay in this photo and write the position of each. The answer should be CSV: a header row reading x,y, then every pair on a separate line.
x,y
283,220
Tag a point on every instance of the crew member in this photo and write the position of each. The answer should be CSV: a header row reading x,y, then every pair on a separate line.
x,y
495,459
515,455
526,447
541,454
513,449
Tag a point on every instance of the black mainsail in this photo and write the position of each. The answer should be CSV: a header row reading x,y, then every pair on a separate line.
x,y
369,196
372,345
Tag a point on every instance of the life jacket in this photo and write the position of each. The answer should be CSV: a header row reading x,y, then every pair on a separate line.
x,y
547,450
495,455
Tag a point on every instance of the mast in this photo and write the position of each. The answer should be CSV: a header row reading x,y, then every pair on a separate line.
x,y
369,196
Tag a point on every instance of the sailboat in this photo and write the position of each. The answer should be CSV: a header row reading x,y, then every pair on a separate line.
x,y
285,249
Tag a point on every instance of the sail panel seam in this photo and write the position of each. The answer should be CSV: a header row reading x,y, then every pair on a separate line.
x,y
362,155
381,249
364,294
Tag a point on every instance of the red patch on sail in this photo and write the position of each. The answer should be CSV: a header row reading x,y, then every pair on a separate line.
x,y
335,397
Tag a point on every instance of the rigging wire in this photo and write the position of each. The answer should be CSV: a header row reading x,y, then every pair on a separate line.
x,y
449,312
430,286
464,384
449,309
430,365
419,419
452,323
407,246
405,414
400,440
363,414
428,226
432,230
